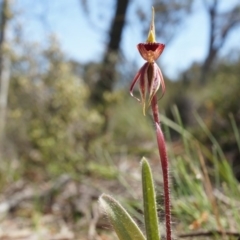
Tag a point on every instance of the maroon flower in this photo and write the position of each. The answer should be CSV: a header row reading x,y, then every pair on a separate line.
x,y
150,79
149,76
150,51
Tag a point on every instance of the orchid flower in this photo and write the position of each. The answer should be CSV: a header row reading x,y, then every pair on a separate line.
x,y
149,76
150,80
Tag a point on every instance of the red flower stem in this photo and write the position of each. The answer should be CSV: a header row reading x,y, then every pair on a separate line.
x,y
164,163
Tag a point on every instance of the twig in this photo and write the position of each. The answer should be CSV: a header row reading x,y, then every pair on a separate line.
x,y
224,199
209,234
29,194
92,234
209,190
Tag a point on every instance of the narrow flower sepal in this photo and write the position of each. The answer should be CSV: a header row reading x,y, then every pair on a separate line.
x,y
150,79
156,83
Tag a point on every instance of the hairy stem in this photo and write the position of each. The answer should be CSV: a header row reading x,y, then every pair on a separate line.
x,y
164,163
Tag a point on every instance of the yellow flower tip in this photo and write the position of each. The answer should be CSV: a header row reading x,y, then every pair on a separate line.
x,y
151,37
151,34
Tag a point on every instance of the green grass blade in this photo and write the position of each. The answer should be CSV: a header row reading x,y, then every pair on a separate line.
x,y
235,130
123,224
209,134
180,123
149,199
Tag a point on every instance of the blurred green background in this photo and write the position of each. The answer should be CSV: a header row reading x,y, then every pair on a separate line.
x,y
69,129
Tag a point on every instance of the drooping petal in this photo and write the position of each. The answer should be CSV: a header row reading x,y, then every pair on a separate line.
x,y
133,84
142,86
162,83
136,78
150,51
153,81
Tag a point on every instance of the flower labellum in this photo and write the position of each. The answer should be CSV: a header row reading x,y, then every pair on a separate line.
x,y
149,76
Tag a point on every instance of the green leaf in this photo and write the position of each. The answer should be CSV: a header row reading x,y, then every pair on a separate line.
x,y
123,224
149,200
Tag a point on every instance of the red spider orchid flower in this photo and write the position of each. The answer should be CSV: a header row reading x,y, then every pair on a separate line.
x,y
149,76
150,80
